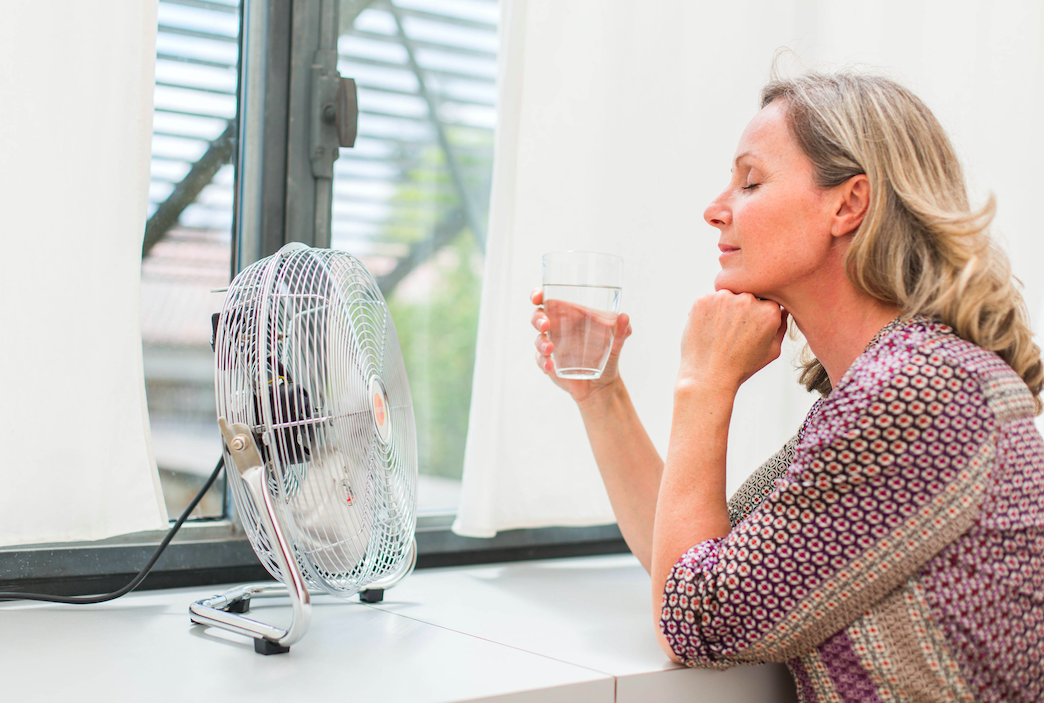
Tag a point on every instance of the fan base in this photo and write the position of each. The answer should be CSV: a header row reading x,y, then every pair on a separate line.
x,y
266,647
371,595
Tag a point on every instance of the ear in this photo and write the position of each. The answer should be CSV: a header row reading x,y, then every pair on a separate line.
x,y
852,201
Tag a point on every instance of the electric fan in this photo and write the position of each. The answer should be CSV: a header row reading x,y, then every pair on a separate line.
x,y
315,411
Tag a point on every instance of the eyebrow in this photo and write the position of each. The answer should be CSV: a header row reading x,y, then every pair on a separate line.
x,y
735,162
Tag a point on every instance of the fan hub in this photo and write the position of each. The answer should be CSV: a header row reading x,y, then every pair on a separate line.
x,y
380,409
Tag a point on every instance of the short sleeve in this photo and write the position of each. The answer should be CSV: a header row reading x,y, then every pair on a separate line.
x,y
892,470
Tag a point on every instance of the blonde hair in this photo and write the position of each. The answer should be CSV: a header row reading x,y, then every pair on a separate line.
x,y
920,246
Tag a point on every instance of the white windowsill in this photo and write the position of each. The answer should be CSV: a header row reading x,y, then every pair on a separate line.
x,y
576,630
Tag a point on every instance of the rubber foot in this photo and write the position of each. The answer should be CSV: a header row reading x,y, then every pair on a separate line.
x,y
266,647
372,595
239,606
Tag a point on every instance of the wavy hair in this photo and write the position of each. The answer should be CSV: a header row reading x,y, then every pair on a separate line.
x,y
920,247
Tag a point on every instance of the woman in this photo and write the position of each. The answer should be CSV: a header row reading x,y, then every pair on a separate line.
x,y
894,548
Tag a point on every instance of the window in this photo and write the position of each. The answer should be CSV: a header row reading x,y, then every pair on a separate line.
x,y
411,200
186,254
229,186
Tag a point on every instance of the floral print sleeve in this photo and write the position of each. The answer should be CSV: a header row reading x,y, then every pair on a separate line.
x,y
890,470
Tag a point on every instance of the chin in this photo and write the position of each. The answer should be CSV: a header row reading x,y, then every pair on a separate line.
x,y
732,281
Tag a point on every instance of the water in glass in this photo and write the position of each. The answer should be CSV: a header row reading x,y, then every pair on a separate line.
x,y
583,326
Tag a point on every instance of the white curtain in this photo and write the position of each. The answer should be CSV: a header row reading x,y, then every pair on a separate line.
x,y
617,126
75,134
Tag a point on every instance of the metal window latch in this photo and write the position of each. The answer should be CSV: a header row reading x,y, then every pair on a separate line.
x,y
335,114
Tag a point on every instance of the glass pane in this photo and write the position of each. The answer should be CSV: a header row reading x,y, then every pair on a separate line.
x,y
188,243
411,199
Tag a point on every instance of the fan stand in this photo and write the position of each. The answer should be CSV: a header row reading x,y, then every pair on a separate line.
x,y
226,610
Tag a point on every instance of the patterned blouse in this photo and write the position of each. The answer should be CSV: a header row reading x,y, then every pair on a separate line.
x,y
894,549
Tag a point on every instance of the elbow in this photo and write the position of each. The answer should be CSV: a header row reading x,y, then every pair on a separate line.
x,y
681,639
666,647
663,597
690,656
660,598
678,611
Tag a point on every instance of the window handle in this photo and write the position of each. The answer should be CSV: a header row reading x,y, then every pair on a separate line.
x,y
345,115
335,117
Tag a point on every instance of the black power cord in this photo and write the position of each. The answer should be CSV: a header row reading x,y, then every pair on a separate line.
x,y
136,581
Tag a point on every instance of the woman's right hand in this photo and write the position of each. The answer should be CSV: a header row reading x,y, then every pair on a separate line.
x,y
580,390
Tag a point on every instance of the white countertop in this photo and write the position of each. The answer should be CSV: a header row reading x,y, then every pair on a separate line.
x,y
564,630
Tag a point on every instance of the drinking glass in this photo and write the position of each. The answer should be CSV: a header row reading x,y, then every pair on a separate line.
x,y
582,301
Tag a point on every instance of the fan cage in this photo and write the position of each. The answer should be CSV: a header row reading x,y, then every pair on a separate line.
x,y
301,337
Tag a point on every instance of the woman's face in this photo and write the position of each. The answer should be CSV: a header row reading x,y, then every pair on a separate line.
x,y
773,220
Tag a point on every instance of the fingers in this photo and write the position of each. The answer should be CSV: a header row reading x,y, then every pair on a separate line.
x,y
623,331
623,325
540,321
782,331
731,336
772,320
545,363
543,345
731,308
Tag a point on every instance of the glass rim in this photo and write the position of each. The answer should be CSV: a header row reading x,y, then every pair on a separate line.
x,y
591,268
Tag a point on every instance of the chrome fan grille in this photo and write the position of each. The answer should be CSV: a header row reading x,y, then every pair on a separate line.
x,y
307,356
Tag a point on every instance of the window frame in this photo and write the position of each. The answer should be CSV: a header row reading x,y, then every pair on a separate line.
x,y
277,40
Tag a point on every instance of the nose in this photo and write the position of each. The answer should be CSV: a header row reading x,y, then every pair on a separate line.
x,y
718,213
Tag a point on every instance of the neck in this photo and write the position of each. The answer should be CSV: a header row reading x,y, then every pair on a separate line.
x,y
838,322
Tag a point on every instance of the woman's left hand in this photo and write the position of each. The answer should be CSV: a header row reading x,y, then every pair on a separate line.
x,y
729,338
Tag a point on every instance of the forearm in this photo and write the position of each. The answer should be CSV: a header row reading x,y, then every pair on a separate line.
x,y
691,506
629,464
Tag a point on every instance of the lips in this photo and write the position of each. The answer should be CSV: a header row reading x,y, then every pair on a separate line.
x,y
726,248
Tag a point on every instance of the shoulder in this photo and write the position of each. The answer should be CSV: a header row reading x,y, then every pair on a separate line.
x,y
921,366
945,369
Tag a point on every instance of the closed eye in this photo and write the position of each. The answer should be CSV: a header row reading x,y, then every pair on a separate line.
x,y
752,186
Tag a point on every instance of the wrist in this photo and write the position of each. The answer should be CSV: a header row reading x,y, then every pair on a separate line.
x,y
689,386
601,396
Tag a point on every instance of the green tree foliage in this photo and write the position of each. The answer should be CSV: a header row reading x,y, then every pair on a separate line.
x,y
435,308
437,333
